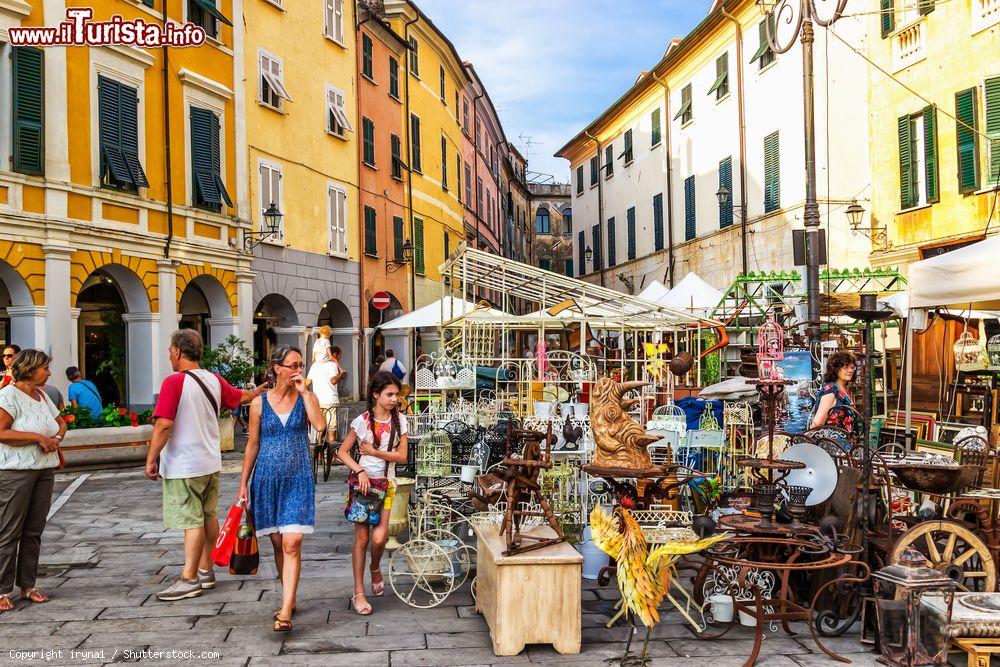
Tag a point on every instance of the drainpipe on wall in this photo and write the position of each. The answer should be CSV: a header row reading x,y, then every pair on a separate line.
x,y
362,302
475,171
668,275
743,137
166,144
600,203
409,182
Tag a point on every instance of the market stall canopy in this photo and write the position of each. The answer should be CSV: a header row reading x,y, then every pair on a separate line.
x,y
899,303
557,297
437,313
692,294
654,291
964,278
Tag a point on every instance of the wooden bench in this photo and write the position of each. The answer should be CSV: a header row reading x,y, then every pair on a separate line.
x,y
979,649
530,598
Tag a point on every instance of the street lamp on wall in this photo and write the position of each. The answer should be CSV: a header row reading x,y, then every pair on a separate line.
x,y
272,222
393,265
879,235
725,197
589,252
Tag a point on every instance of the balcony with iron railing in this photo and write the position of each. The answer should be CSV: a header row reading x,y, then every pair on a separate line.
x,y
909,44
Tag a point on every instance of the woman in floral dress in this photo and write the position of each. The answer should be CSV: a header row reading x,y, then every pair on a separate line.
x,y
834,405
281,491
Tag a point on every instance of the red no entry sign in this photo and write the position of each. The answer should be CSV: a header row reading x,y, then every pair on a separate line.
x,y
381,300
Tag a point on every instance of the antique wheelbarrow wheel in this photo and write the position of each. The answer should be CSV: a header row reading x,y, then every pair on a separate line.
x,y
422,573
953,550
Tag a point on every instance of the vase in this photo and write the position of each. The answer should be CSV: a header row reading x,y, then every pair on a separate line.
x,y
227,433
703,526
399,512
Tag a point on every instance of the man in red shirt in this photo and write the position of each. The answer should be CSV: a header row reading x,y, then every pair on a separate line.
x,y
185,452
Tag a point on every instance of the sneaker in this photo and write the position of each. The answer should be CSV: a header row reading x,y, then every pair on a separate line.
x,y
206,578
180,589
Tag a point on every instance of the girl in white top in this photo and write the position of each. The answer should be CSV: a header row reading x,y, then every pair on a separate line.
x,y
380,434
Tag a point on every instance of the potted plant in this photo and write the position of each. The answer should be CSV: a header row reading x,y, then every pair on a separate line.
x,y
233,360
706,494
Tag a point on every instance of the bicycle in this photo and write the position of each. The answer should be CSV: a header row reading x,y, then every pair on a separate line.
x,y
322,449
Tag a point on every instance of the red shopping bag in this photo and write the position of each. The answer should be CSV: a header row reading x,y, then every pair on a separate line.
x,y
224,544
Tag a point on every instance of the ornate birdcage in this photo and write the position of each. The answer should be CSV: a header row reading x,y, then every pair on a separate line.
x,y
770,349
708,421
969,353
993,351
434,455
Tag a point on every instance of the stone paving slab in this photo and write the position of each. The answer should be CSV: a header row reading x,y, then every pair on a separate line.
x,y
106,555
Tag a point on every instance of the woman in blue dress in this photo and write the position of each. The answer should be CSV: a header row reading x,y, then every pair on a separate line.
x,y
281,491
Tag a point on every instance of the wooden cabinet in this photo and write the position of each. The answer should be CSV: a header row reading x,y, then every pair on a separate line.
x,y
530,598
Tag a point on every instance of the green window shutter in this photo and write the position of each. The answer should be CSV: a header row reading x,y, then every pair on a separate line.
x,y
655,122
418,246
444,162
581,251
206,156
612,246
148,3
630,228
442,83
397,238
113,167
27,73
458,177
721,85
579,180
129,118
967,140
545,264
888,18
595,241
690,221
414,143
368,141
726,181
569,268
212,10
447,245
393,77
609,160
371,242
628,146
991,118
907,196
926,6
658,221
595,169
930,153
772,173
366,55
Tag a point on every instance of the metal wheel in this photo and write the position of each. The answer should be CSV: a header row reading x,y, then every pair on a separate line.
x,y
462,554
421,574
953,550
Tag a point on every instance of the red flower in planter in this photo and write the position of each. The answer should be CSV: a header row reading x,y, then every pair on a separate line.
x,y
135,424
132,416
123,412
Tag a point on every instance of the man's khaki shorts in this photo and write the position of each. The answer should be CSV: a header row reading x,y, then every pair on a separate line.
x,y
191,502
330,412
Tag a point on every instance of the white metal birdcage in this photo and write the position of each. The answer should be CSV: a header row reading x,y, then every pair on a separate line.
x,y
737,421
668,417
993,351
969,353
434,455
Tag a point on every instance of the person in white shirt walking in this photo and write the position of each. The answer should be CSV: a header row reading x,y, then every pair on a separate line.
x,y
323,378
185,452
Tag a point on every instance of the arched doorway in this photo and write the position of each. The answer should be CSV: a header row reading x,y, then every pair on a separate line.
x,y
115,334
205,307
13,292
273,315
336,315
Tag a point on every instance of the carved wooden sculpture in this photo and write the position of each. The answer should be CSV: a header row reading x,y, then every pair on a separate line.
x,y
621,442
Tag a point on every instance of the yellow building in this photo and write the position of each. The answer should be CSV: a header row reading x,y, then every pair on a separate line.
x,y
302,141
935,157
118,194
434,78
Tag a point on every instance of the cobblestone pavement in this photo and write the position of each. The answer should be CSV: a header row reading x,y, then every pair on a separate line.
x,y
105,554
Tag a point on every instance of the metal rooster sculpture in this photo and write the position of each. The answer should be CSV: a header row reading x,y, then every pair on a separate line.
x,y
571,434
642,575
620,441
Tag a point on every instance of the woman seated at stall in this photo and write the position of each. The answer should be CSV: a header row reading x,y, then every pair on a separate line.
x,y
834,405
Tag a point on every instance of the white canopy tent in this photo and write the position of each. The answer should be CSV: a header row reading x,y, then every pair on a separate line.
x,y
653,291
438,313
964,282
693,295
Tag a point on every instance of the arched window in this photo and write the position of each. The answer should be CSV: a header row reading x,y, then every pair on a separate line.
x,y
542,220
567,217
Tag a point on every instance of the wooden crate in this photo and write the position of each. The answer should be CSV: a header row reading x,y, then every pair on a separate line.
x,y
531,598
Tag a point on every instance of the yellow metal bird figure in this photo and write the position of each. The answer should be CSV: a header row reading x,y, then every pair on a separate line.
x,y
640,574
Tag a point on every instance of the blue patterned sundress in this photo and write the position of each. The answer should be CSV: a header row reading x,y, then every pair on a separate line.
x,y
282,493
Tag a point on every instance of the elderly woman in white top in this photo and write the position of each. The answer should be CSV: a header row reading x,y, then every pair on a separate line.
x,y
30,432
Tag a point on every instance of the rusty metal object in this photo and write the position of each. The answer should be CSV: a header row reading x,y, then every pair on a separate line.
x,y
681,363
935,478
620,441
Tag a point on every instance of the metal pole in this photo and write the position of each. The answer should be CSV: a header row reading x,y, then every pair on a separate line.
x,y
811,214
